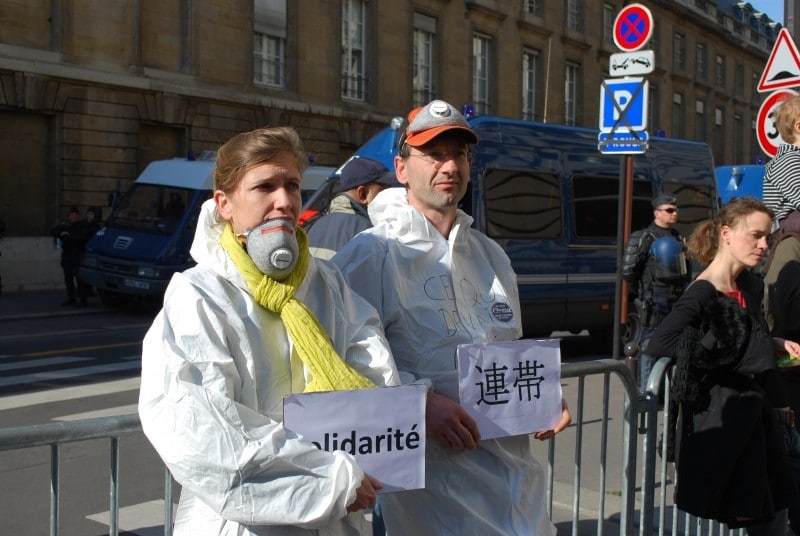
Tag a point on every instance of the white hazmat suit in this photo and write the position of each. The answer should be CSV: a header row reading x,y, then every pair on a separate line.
x,y
215,369
434,293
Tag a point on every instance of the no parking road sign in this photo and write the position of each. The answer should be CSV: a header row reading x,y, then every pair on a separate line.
x,y
633,27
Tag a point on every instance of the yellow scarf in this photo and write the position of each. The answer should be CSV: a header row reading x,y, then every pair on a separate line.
x,y
329,372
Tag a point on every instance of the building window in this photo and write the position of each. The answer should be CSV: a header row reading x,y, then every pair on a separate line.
x,y
534,7
269,43
654,43
754,95
424,37
529,59
575,15
738,80
699,121
653,106
738,142
571,85
353,45
480,73
609,16
719,135
719,72
678,122
701,61
678,53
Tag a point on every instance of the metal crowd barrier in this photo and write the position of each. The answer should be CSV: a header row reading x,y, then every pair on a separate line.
x,y
601,412
56,434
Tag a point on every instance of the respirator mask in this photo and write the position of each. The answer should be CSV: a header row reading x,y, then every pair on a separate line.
x,y
273,247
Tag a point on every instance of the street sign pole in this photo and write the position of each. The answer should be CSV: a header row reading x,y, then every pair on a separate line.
x,y
627,136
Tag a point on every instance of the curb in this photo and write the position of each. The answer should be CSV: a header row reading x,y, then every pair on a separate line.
x,y
50,314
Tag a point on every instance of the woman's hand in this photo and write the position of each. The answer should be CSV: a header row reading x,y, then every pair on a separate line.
x,y
786,346
365,494
565,421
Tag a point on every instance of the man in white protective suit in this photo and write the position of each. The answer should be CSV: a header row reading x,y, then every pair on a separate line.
x,y
438,283
258,318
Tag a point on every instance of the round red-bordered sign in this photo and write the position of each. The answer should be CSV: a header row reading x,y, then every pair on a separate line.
x,y
633,27
768,136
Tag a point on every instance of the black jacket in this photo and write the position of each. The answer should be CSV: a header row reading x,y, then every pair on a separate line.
x,y
730,451
329,233
638,267
73,238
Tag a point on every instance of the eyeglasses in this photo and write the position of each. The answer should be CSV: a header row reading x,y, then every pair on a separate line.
x,y
437,158
669,210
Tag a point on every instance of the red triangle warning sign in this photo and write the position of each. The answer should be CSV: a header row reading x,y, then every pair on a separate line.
x,y
783,65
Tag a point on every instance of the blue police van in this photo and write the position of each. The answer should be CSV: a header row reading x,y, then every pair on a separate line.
x,y
547,195
740,181
147,236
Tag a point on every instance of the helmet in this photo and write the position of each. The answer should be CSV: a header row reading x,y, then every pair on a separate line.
x,y
668,258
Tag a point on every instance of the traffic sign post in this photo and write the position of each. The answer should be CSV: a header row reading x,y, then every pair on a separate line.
x,y
768,136
623,119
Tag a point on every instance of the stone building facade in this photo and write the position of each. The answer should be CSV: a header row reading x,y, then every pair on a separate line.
x,y
93,90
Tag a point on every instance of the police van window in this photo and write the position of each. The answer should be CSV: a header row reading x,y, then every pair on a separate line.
x,y
695,204
596,206
522,204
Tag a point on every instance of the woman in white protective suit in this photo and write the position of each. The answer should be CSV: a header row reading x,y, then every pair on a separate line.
x,y
438,283
256,319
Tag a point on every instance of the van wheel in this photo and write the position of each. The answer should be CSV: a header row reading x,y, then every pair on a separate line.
x,y
602,339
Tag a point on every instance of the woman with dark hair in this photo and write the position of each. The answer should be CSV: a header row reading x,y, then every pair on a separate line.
x,y
729,404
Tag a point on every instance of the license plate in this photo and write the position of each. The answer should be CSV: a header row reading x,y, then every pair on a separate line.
x,y
137,284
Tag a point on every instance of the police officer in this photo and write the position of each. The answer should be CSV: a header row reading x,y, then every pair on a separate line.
x,y
655,266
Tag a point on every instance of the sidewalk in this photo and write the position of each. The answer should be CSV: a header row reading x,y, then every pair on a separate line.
x,y
43,304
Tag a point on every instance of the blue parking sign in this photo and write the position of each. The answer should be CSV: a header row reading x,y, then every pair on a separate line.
x,y
623,105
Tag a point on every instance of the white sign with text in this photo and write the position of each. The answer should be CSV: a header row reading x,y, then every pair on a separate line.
x,y
383,428
511,388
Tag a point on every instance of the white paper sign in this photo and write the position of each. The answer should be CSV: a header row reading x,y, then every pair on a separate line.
x,y
384,428
511,388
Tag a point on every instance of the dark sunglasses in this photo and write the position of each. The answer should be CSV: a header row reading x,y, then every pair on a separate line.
x,y
669,210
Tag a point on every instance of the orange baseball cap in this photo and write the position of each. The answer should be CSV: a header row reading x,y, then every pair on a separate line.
x,y
436,117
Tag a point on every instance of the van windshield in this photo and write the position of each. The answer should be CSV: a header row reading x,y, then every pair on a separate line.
x,y
151,207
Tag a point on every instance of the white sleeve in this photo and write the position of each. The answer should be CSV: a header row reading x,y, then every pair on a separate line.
x,y
242,464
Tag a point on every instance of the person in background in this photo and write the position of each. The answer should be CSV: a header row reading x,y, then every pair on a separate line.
x,y
655,266
360,181
257,319
73,235
93,224
437,283
92,220
782,283
729,446
782,312
781,184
